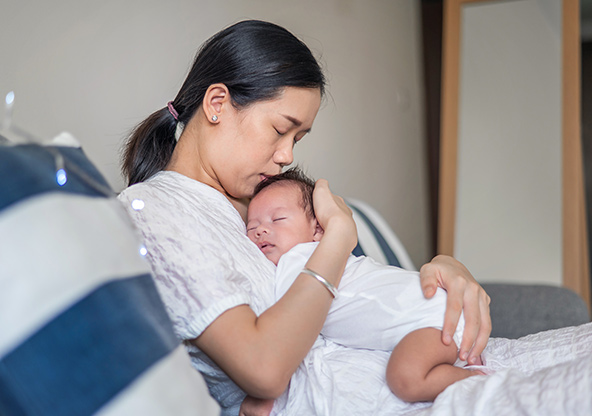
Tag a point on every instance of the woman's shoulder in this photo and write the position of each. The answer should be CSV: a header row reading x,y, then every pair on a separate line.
x,y
155,187
171,207
168,184
173,191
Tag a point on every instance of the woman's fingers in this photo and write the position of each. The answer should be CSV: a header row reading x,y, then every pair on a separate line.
x,y
436,274
325,200
428,278
477,320
484,329
454,307
472,313
332,209
464,295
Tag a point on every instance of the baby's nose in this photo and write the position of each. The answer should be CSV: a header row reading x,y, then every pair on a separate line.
x,y
259,231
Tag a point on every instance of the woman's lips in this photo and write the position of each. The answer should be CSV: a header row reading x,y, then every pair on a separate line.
x,y
265,176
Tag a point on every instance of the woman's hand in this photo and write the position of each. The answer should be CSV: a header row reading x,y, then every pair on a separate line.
x,y
252,406
333,214
464,294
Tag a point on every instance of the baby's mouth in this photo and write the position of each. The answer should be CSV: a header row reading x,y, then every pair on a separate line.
x,y
264,246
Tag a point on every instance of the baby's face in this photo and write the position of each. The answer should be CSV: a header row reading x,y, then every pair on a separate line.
x,y
276,221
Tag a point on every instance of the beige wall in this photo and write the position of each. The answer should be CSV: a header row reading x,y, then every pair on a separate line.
x,y
508,218
97,68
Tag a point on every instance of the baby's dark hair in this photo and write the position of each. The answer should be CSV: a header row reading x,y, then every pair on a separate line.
x,y
293,176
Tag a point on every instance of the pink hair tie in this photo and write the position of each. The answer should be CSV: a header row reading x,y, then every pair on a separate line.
x,y
172,110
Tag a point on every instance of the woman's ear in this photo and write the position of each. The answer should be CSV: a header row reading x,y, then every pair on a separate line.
x,y
318,233
215,102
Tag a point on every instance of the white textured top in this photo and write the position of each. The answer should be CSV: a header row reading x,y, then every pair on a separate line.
x,y
204,264
202,261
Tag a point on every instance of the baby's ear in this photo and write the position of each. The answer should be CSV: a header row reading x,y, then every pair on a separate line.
x,y
318,233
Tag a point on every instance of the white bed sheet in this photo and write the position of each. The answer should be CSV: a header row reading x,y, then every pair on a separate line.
x,y
549,373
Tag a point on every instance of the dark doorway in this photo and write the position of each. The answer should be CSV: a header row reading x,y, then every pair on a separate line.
x,y
431,27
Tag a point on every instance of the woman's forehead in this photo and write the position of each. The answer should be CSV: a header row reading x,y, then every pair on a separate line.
x,y
297,105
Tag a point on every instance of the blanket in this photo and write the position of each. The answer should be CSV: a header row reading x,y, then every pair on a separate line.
x,y
549,373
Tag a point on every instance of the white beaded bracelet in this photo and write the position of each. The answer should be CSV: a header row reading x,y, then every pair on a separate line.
x,y
332,289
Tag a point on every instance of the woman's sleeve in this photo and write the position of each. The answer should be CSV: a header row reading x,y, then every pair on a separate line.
x,y
193,272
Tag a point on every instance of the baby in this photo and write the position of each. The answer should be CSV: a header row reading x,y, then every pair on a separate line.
x,y
377,307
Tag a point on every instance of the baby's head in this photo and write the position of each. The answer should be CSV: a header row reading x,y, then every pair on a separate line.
x,y
281,214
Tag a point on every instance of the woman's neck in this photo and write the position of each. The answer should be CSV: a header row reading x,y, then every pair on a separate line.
x,y
240,205
186,160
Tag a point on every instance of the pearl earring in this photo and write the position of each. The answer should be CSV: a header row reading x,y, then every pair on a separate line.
x,y
214,118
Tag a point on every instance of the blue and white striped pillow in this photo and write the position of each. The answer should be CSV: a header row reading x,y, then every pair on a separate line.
x,y
82,327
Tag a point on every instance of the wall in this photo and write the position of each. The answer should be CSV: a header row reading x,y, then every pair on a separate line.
x,y
98,68
508,225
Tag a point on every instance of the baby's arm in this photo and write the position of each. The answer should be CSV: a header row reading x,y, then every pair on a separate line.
x,y
421,366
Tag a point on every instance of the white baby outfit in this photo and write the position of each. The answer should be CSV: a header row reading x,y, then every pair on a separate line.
x,y
377,305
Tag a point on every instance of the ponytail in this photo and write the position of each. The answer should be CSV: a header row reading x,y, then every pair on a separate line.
x,y
149,147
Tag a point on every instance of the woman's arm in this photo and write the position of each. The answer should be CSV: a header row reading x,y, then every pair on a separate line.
x,y
464,294
261,353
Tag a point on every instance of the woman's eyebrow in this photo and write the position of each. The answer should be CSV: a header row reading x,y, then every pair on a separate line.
x,y
295,121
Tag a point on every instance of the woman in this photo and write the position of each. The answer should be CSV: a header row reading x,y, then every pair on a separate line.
x,y
252,93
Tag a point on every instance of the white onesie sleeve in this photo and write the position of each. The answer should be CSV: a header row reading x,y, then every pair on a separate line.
x,y
377,305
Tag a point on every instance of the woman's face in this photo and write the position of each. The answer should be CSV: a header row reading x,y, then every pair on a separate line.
x,y
257,141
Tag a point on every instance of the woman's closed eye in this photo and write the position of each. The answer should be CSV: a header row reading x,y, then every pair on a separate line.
x,y
279,132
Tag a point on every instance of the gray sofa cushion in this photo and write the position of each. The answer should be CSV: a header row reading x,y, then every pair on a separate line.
x,y
518,310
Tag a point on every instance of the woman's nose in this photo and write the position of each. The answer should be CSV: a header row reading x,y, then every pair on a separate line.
x,y
284,155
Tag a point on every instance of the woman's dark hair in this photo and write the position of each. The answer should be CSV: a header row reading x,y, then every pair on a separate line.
x,y
293,176
254,59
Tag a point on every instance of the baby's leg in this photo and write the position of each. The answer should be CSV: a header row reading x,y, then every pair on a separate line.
x,y
421,366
